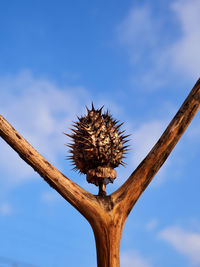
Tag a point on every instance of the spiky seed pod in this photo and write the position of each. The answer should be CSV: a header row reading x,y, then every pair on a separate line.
x,y
98,146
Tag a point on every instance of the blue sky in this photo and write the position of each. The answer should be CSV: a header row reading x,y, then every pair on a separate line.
x,y
138,58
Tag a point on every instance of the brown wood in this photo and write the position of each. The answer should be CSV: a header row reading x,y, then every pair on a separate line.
x,y
107,214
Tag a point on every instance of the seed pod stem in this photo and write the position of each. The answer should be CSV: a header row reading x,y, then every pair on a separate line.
x,y
102,189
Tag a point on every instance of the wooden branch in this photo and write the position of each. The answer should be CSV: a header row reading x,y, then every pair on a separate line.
x,y
130,191
82,200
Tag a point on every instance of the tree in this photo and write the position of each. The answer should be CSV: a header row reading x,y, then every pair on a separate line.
x,y
107,214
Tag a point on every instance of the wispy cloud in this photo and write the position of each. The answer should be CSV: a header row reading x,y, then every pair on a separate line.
x,y
185,242
41,111
141,34
165,46
50,196
152,224
132,258
185,52
137,31
145,137
5,209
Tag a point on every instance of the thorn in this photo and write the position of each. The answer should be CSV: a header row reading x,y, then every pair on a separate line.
x,y
87,109
75,131
115,122
81,125
75,125
100,110
125,136
70,157
118,126
125,141
70,145
93,106
125,151
79,118
122,132
124,148
69,135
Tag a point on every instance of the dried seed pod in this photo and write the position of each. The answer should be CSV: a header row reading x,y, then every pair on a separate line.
x,y
97,146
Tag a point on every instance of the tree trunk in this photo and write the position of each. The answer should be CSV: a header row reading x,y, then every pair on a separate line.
x,y
108,246
108,232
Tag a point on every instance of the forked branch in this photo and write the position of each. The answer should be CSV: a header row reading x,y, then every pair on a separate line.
x,y
131,190
107,214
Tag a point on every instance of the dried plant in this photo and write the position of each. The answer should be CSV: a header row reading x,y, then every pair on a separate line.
x,y
106,214
98,147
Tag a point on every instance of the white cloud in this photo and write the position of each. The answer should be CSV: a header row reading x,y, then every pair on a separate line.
x,y
145,137
5,209
41,111
164,53
132,258
50,196
152,224
185,242
138,31
141,34
186,51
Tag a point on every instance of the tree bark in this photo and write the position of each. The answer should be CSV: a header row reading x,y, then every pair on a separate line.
x,y
107,214
108,228
108,237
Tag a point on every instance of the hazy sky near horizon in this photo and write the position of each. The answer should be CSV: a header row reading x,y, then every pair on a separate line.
x,y
138,58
